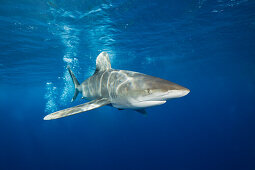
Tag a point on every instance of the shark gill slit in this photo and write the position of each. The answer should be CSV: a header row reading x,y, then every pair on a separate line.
x,y
109,89
125,75
116,81
101,83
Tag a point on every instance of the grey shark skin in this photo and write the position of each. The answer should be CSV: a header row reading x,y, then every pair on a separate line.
x,y
120,88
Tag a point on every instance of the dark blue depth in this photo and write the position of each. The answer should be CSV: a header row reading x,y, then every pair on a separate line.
x,y
205,45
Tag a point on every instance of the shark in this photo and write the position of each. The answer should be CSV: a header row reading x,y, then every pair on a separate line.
x,y
121,89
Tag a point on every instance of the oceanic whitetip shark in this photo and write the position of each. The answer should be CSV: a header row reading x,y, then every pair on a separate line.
x,y
121,89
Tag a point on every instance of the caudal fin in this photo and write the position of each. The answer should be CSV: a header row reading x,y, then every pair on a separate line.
x,y
75,82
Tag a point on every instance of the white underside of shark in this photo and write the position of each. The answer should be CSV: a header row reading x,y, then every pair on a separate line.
x,y
121,89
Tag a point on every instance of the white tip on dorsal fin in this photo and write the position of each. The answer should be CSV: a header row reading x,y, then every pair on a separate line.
x,y
103,62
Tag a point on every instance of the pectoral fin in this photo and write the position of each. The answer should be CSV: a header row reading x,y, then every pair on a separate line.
x,y
142,111
78,109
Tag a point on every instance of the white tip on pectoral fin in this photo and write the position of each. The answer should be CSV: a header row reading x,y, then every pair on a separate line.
x,y
78,109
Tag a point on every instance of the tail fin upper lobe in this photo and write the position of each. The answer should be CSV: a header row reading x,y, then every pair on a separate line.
x,y
76,83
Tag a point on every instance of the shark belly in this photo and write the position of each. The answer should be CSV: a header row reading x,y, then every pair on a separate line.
x,y
134,104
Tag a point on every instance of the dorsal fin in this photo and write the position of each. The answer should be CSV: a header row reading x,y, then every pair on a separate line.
x,y
103,62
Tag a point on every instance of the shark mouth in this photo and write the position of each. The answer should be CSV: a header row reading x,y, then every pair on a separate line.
x,y
148,103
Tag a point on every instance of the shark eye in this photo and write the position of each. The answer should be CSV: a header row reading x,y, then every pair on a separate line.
x,y
148,91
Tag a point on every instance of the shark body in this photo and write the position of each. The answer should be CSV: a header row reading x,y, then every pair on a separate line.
x,y
121,89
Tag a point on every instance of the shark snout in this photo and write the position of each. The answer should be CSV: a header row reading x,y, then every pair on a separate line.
x,y
185,91
171,94
161,95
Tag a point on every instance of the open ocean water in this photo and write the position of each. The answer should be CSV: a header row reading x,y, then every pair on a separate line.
x,y
207,46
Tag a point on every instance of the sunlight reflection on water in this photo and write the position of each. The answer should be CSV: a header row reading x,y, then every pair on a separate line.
x,y
99,37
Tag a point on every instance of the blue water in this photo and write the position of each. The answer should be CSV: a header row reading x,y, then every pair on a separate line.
x,y
207,46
